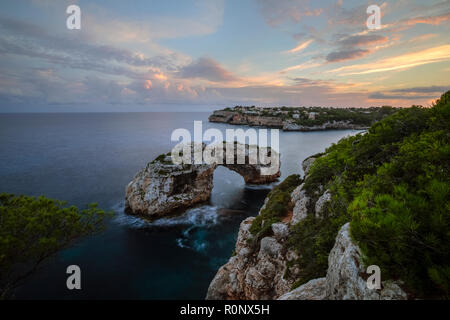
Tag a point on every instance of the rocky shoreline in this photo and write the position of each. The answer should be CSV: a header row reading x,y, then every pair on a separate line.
x,y
301,119
257,270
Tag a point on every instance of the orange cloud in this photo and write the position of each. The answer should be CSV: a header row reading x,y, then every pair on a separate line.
x,y
160,76
148,84
302,46
434,20
404,61
302,66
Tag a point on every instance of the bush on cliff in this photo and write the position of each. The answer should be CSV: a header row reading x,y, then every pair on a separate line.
x,y
278,205
394,183
401,213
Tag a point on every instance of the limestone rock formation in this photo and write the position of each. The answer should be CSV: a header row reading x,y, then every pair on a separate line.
x,y
322,201
256,271
329,125
344,279
163,187
301,200
232,117
312,290
306,164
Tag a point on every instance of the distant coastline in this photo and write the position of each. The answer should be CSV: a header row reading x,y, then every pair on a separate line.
x,y
302,118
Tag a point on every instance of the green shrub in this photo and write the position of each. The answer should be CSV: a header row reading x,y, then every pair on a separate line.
x,y
401,214
278,205
393,184
162,159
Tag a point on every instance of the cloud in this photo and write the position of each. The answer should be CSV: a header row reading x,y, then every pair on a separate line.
x,y
122,59
414,93
400,62
109,74
276,12
429,89
343,55
363,40
208,69
408,23
382,96
300,47
355,46
21,38
433,20
302,66
355,16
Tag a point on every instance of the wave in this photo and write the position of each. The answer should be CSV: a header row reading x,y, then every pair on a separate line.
x,y
203,216
196,220
125,219
268,186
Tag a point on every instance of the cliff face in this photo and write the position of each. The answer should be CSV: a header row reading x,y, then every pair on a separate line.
x,y
257,270
237,118
329,125
345,278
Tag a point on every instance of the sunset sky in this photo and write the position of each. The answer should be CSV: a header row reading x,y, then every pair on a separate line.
x,y
139,55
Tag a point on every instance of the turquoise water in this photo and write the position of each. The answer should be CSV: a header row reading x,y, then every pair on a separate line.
x,y
91,157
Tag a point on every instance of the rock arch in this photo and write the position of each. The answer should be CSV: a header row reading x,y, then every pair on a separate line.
x,y
163,188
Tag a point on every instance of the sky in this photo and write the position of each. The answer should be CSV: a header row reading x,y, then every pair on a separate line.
x,y
153,55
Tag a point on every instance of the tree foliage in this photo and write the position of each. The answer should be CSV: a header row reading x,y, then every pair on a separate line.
x,y
33,229
393,184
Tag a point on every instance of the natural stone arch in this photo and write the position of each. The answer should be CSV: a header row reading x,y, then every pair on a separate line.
x,y
163,188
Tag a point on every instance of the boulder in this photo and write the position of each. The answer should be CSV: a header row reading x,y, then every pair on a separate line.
x,y
280,231
320,203
312,290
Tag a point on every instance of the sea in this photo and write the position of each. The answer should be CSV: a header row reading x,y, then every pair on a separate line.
x,y
90,157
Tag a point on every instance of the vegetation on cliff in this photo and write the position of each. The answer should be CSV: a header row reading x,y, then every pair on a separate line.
x,y
34,229
312,116
393,184
278,205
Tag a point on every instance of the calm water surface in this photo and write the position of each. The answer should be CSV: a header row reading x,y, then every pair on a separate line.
x,y
91,157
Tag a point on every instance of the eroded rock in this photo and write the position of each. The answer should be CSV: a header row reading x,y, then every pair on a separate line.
x,y
300,200
320,203
312,290
344,279
164,187
255,272
306,164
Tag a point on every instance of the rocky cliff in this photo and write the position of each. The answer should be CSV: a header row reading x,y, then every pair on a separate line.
x,y
237,118
285,120
164,187
345,278
328,125
258,269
